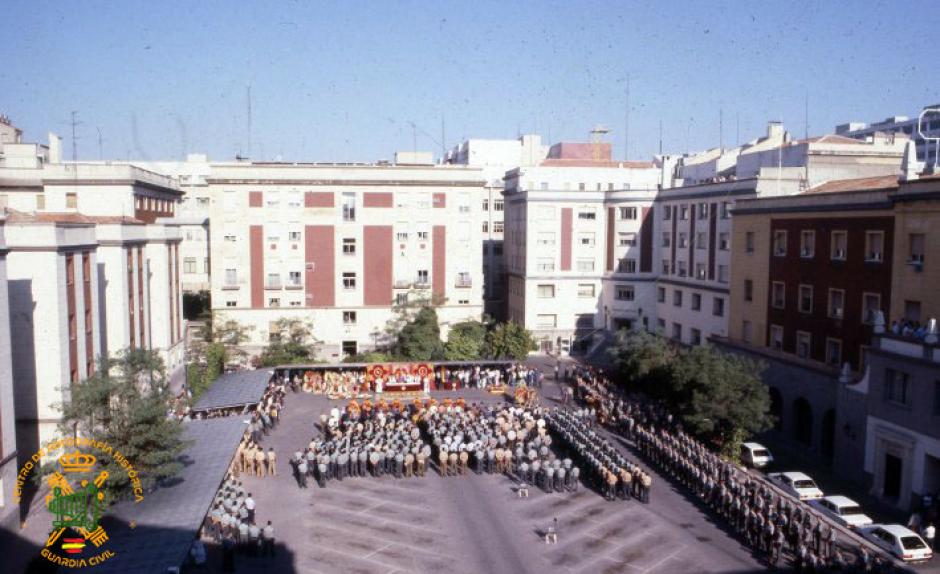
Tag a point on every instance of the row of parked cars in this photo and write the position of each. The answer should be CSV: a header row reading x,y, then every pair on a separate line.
x,y
894,538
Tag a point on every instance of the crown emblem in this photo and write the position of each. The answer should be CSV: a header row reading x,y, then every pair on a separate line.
x,y
77,462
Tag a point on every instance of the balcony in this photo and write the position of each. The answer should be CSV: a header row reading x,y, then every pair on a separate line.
x,y
463,282
403,284
273,286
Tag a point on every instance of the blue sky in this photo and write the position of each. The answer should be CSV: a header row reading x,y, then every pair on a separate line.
x,y
342,81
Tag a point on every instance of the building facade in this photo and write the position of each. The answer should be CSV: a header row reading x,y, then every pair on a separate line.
x,y
904,127
340,245
8,451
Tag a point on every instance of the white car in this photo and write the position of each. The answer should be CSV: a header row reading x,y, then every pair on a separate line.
x,y
755,455
797,484
843,510
899,541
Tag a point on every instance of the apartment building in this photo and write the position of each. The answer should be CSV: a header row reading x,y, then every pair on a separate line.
x,y
495,158
579,244
340,244
8,458
694,223
903,126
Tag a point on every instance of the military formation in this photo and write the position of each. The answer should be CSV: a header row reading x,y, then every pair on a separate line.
x,y
607,469
232,519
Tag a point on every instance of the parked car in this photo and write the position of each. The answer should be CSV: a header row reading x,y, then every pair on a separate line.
x,y
797,484
755,455
898,540
843,510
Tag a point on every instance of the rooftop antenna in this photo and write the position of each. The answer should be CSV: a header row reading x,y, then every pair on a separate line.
x,y
249,121
806,115
100,155
443,139
75,123
597,135
737,128
660,136
626,123
721,133
414,137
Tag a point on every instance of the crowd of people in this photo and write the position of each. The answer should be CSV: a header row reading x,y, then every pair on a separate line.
x,y
911,329
607,469
767,522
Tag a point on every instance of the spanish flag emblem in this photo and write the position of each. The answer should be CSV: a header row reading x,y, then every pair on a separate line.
x,y
73,545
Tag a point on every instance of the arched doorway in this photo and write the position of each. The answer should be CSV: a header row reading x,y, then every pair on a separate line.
x,y
803,421
776,408
827,443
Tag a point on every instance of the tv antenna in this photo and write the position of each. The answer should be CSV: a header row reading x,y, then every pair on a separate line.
x,y
75,123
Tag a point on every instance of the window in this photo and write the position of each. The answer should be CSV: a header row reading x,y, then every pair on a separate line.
x,y
677,298
628,213
40,202
293,235
349,280
776,337
293,199
749,241
497,248
272,199
546,320
683,212
586,239
661,326
747,331
401,299
401,236
807,244
498,205
545,264
231,303
349,246
912,310
585,290
486,227
667,212
665,267
677,331
700,271
833,352
703,211
696,301
590,215
916,243
274,302
718,307
229,237
423,233
486,205
838,246
723,274
422,277
681,268
273,234
871,304
661,295
349,317
748,290
581,186
189,265
626,266
350,348
666,239
349,206
897,387
626,238
695,337
585,265
683,240
71,201
874,246
624,292
498,226
725,209
778,295
780,243
546,291
723,243
463,201
700,240
803,344
545,238
806,299
274,281
836,303
231,277
293,278
202,201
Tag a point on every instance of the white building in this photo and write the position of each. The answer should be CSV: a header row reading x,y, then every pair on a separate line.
x,y
904,126
495,158
339,244
579,244
8,458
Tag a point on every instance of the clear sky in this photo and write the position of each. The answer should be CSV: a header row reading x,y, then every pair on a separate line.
x,y
343,81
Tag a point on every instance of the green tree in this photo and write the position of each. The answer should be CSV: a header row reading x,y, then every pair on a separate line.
x,y
370,357
509,341
644,360
230,333
420,339
720,396
124,404
291,342
466,341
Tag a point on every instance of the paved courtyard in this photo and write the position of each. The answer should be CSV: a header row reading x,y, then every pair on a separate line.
x,y
473,523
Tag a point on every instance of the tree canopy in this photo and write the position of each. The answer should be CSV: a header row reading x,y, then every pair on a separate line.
x,y
125,404
466,341
510,341
291,342
420,338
